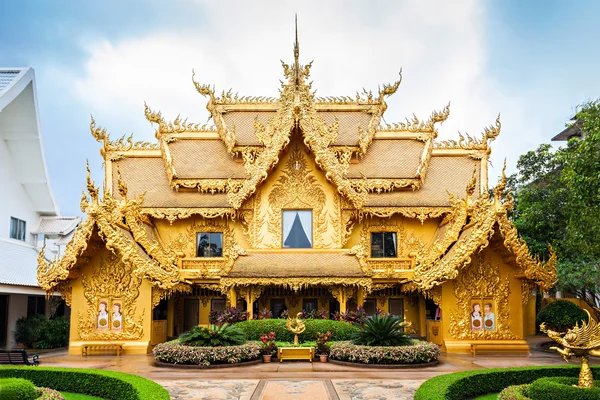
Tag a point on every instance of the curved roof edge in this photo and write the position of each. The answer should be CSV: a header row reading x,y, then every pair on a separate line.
x,y
13,83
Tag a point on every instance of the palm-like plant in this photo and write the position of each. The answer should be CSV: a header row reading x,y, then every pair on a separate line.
x,y
382,330
214,336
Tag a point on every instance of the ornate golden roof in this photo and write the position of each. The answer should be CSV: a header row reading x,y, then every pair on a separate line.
x,y
439,265
370,164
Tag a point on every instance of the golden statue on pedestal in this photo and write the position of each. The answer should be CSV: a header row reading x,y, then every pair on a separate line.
x,y
580,341
296,326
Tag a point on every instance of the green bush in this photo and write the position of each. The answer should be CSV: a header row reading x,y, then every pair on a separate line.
x,y
518,392
39,332
466,384
108,385
381,330
28,330
561,388
255,328
17,389
561,315
56,334
214,336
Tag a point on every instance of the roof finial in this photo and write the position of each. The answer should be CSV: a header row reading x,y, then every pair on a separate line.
x,y
296,47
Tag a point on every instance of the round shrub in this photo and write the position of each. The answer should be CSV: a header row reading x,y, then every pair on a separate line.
x,y
255,328
517,392
561,315
561,388
109,385
177,353
17,389
418,353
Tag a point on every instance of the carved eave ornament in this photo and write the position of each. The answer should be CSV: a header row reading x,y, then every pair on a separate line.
x,y
485,215
153,264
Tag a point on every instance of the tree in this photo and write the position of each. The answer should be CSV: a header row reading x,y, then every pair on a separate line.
x,y
557,202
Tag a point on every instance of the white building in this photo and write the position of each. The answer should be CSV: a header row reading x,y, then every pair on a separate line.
x,y
27,206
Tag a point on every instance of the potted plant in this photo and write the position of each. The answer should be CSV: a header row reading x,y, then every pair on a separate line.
x,y
268,346
323,345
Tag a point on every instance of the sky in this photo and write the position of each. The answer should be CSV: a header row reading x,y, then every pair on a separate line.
x,y
532,62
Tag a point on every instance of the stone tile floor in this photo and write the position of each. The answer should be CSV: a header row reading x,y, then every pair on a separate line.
x,y
296,380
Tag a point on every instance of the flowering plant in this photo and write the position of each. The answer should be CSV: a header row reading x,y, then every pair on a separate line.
x,y
418,353
265,314
322,342
352,317
268,343
229,315
177,353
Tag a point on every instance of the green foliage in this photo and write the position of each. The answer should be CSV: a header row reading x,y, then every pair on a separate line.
x,y
55,334
214,336
561,388
561,315
381,330
517,392
255,328
17,389
39,332
29,330
107,385
557,197
467,384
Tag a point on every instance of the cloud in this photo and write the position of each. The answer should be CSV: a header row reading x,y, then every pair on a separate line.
x,y
440,46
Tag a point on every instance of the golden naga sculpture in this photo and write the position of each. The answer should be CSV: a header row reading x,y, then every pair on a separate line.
x,y
296,326
580,341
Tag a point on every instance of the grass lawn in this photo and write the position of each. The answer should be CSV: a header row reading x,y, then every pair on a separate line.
x,y
490,396
78,396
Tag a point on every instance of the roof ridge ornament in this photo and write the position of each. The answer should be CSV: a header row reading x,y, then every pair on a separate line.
x,y
296,56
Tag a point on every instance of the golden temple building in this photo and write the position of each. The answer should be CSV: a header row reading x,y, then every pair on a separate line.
x,y
298,202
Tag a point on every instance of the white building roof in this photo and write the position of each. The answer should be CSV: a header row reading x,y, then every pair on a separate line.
x,y
18,263
20,128
56,225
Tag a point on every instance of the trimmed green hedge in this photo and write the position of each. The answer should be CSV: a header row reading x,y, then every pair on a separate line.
x,y
462,385
108,385
256,327
17,389
560,388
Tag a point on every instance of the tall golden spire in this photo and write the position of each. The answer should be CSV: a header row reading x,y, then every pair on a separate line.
x,y
296,55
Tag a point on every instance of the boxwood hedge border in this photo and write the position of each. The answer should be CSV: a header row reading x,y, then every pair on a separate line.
x,y
467,384
108,385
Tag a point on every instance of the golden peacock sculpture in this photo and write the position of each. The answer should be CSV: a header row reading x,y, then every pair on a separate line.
x,y
580,341
296,326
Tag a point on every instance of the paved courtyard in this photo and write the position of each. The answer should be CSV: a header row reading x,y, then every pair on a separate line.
x,y
296,380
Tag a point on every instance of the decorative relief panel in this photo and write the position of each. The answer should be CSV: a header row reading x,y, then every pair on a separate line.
x,y
111,291
297,188
253,219
481,283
